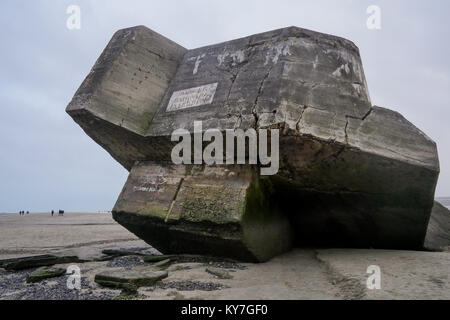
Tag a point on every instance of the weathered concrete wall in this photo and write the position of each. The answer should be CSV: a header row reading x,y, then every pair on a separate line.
x,y
117,100
266,78
196,209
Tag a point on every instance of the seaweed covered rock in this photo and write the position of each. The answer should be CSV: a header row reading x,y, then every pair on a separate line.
x,y
131,280
45,273
43,260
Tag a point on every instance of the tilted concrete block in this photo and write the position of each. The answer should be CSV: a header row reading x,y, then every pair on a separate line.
x,y
118,99
350,174
226,211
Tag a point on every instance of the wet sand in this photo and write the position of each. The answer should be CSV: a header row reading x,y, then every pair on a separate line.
x,y
299,274
42,233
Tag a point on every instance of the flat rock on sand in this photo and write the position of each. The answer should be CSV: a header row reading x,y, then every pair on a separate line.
x,y
36,261
45,273
135,278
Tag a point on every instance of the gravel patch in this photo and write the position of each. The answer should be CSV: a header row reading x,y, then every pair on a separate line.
x,y
146,251
13,286
189,285
211,261
227,265
127,262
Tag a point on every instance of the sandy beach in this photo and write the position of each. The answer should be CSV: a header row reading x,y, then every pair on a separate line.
x,y
42,233
299,274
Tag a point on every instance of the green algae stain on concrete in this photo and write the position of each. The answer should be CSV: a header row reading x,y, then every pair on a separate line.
x,y
217,204
154,209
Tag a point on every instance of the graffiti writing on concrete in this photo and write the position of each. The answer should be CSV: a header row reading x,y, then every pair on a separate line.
x,y
153,184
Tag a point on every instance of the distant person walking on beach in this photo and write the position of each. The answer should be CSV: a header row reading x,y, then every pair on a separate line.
x,y
53,212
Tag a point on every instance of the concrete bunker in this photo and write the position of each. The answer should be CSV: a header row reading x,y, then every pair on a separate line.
x,y
350,174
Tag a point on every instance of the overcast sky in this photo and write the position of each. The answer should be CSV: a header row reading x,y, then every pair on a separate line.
x,y
48,162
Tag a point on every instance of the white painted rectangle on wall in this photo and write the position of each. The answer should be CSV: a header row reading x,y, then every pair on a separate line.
x,y
192,97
